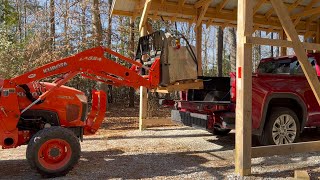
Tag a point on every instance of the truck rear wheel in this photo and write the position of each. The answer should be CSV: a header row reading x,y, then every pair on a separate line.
x,y
53,151
282,127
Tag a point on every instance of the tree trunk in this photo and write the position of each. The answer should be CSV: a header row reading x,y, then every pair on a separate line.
x,y
131,91
97,33
97,27
219,50
52,25
271,47
277,48
109,35
205,56
233,48
66,24
83,38
256,52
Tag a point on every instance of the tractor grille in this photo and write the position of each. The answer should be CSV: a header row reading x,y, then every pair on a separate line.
x,y
84,111
72,112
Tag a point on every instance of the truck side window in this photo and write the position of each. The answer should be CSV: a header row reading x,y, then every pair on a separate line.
x,y
296,68
275,67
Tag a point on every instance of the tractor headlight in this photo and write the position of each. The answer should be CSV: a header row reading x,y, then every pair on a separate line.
x,y
82,98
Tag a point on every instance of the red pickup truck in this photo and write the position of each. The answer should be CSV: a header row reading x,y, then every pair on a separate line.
x,y
283,103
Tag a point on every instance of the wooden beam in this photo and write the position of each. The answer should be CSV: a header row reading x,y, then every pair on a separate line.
x,y
180,87
200,3
298,48
283,50
204,9
158,122
258,5
199,45
307,12
223,16
308,7
291,6
222,4
265,151
144,15
244,89
318,33
143,108
281,43
301,175
181,3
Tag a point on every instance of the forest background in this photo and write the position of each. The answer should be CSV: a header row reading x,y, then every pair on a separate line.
x,y
36,32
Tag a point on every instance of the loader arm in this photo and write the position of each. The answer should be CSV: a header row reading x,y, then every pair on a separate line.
x,y
91,64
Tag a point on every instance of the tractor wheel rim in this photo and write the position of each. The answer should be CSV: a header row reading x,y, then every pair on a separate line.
x,y
54,154
284,130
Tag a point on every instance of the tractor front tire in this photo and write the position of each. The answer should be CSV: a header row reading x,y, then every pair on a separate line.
x,y
53,151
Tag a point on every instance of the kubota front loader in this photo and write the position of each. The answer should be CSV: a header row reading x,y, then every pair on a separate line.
x,y
51,118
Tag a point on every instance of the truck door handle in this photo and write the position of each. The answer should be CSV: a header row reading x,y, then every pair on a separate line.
x,y
4,112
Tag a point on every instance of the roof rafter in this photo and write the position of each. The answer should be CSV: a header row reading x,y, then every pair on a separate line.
x,y
258,5
290,8
222,4
307,12
219,13
201,3
145,13
205,5
308,7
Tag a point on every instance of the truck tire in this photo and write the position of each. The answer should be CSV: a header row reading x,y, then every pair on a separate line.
x,y
282,127
53,151
220,132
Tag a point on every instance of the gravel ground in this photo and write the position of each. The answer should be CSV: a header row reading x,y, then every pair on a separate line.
x,y
119,151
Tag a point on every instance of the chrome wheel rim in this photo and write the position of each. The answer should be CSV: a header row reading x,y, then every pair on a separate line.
x,y
284,130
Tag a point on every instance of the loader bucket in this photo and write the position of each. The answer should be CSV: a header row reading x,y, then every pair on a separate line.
x,y
97,113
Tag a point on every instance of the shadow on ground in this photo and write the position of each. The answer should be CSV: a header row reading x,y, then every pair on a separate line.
x,y
114,164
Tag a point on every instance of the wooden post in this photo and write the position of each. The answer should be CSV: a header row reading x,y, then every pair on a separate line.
x,y
143,108
244,89
199,43
283,50
318,32
297,45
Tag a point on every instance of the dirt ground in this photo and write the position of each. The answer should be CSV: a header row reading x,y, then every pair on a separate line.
x,y
120,151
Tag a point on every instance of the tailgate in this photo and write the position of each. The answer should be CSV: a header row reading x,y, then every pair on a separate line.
x,y
203,106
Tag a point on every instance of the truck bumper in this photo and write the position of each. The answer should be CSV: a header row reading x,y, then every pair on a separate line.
x,y
190,119
225,120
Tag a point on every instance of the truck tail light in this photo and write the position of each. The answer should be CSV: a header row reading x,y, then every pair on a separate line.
x,y
233,86
72,111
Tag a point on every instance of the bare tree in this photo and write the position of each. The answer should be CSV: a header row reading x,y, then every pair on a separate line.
x,y
66,27
219,38
97,26
232,41
256,52
271,47
109,36
52,25
131,91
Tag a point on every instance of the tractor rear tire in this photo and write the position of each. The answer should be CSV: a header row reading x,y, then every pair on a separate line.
x,y
53,151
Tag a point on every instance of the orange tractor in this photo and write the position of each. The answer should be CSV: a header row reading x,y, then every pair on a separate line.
x,y
52,118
